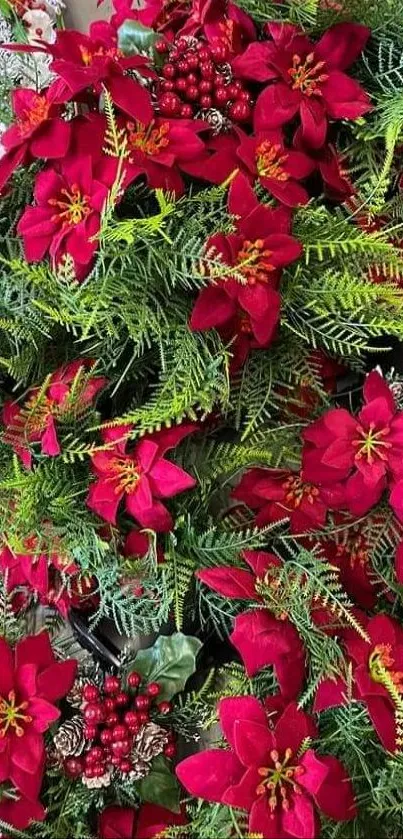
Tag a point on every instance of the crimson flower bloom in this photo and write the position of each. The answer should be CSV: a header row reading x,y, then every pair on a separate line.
x,y
94,60
377,674
38,130
256,252
67,215
219,159
158,150
141,477
40,573
277,168
35,421
264,773
279,494
306,78
127,823
221,22
31,681
364,452
352,558
327,162
260,638
19,811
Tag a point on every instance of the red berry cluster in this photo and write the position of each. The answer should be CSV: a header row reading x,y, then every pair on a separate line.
x,y
113,717
193,78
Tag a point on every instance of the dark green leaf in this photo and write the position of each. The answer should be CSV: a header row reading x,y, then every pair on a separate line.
x,y
134,38
160,786
169,662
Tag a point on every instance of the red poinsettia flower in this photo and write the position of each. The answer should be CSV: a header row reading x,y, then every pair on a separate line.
x,y
137,543
280,494
223,23
31,681
93,60
127,823
352,557
260,637
377,674
364,452
255,253
40,573
219,160
67,215
264,772
328,163
277,168
19,811
38,130
158,150
140,477
35,421
306,78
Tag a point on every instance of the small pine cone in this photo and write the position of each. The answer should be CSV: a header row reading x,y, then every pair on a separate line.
x,y
141,768
69,739
149,743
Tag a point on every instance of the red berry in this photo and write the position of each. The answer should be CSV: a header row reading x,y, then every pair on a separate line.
x,y
161,47
168,86
99,770
106,736
142,702
192,93
182,66
218,52
134,679
181,44
89,772
206,101
169,71
125,766
92,712
89,732
144,717
193,60
205,86
111,720
191,78
186,111
122,699
181,84
240,111
131,719
109,705
207,70
96,754
170,750
170,104
153,689
244,96
121,748
90,693
119,732
164,707
111,685
204,53
73,767
221,95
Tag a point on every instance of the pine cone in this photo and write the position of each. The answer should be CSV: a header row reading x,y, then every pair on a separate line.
x,y
69,739
149,743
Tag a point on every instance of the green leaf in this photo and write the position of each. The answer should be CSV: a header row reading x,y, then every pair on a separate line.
x,y
5,8
169,662
160,786
134,38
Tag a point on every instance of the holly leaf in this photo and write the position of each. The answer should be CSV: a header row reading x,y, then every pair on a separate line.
x,y
161,786
135,38
169,662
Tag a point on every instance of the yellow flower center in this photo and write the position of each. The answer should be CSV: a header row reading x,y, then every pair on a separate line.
x,y
89,55
73,207
253,260
297,491
128,473
371,445
270,161
151,141
380,664
34,116
278,780
11,715
306,75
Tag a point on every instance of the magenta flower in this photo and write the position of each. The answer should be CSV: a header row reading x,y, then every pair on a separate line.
x,y
140,477
306,78
260,638
277,168
264,772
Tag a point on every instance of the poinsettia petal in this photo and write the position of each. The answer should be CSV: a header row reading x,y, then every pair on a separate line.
x,y
167,479
253,742
335,796
131,97
104,499
234,583
27,751
6,669
233,709
293,727
208,774
258,639
213,307
275,106
341,45
243,795
300,819
263,822
35,649
344,97
56,681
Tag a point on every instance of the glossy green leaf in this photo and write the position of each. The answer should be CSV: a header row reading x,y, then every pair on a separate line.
x,y
160,786
169,662
134,38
